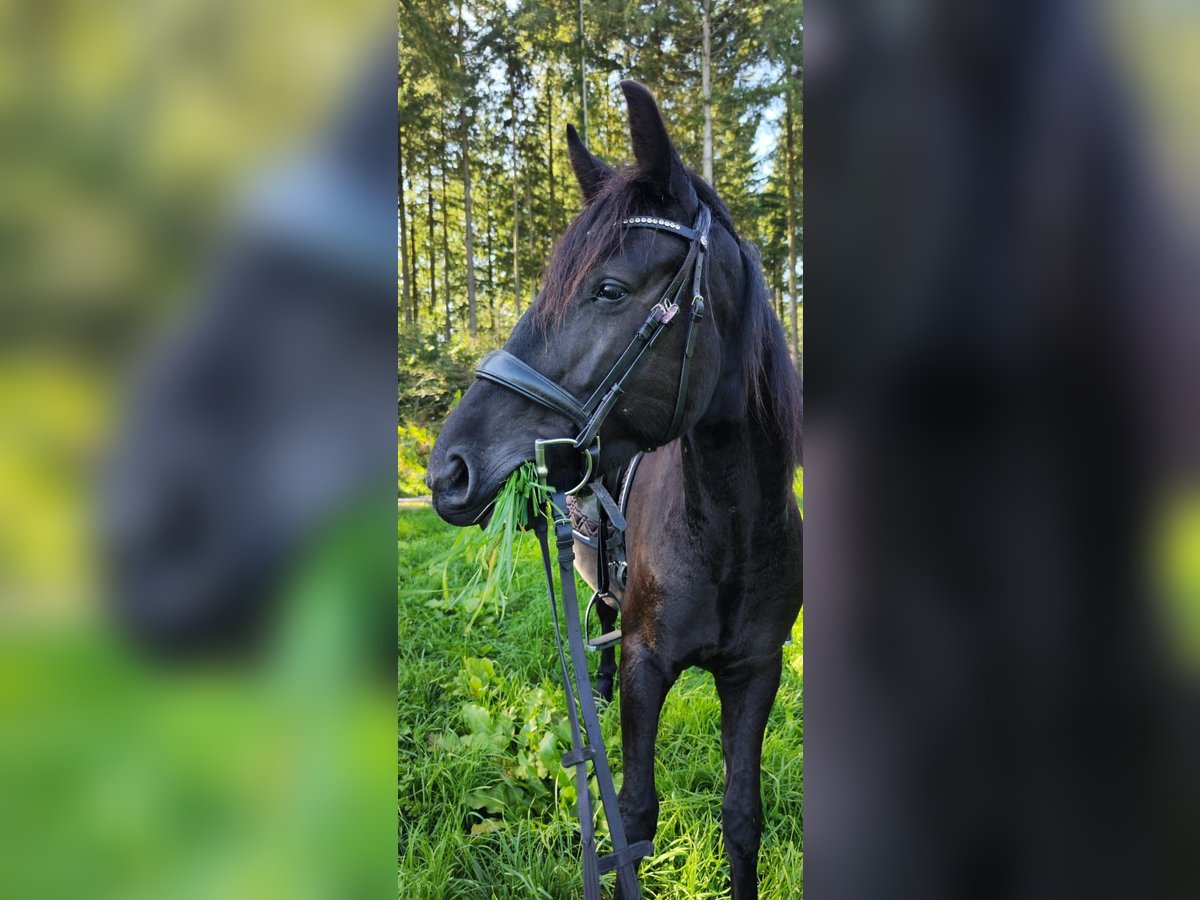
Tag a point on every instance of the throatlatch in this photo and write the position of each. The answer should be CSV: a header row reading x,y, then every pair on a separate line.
x,y
502,368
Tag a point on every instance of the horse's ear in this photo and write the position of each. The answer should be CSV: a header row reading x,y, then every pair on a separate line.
x,y
657,160
591,171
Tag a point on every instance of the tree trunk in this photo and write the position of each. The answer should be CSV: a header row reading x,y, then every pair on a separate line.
x,y
491,257
472,324
432,260
516,234
706,86
553,218
412,263
583,73
406,295
529,231
790,147
445,245
600,143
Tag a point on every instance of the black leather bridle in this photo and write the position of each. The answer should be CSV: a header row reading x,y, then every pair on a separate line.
x,y
502,368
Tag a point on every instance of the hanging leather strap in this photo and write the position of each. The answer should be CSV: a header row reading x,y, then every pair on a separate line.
x,y
607,505
695,314
624,856
583,795
612,386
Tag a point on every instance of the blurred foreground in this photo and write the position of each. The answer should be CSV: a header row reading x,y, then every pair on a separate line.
x,y
196,409
1003,651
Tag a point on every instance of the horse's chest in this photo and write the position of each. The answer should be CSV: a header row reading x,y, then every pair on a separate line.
x,y
699,605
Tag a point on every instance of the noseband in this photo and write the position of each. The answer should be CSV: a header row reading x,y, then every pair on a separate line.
x,y
507,370
502,368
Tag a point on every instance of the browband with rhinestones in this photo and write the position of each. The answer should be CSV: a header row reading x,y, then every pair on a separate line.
x,y
662,225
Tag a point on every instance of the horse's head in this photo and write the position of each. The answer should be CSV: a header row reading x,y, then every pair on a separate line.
x,y
603,279
250,432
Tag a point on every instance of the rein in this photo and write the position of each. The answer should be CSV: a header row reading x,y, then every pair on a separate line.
x,y
624,856
502,368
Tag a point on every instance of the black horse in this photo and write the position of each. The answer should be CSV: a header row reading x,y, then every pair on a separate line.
x,y
714,534
264,420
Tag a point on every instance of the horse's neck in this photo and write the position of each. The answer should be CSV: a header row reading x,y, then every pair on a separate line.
x,y
734,457
739,465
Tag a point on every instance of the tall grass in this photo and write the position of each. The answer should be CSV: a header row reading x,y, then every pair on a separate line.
x,y
480,818
491,550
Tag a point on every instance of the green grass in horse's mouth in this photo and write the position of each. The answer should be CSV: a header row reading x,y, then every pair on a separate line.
x,y
490,548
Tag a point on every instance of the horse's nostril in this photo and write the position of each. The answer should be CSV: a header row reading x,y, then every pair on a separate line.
x,y
460,475
453,479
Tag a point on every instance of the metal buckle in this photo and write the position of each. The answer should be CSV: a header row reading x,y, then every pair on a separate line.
x,y
590,455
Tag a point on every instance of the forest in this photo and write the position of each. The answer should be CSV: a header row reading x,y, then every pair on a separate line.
x,y
486,90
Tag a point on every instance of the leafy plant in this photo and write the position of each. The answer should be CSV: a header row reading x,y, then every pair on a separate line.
x,y
525,730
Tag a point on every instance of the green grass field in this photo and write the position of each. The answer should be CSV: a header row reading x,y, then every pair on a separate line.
x,y
485,809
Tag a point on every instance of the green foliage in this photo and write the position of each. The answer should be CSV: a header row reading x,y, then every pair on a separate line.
x,y
487,89
527,731
259,780
432,376
485,808
413,443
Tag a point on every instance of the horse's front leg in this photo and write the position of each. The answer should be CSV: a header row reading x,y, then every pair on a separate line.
x,y
746,699
644,686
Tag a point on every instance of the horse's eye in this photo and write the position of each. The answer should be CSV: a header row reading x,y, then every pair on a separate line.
x,y
610,291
